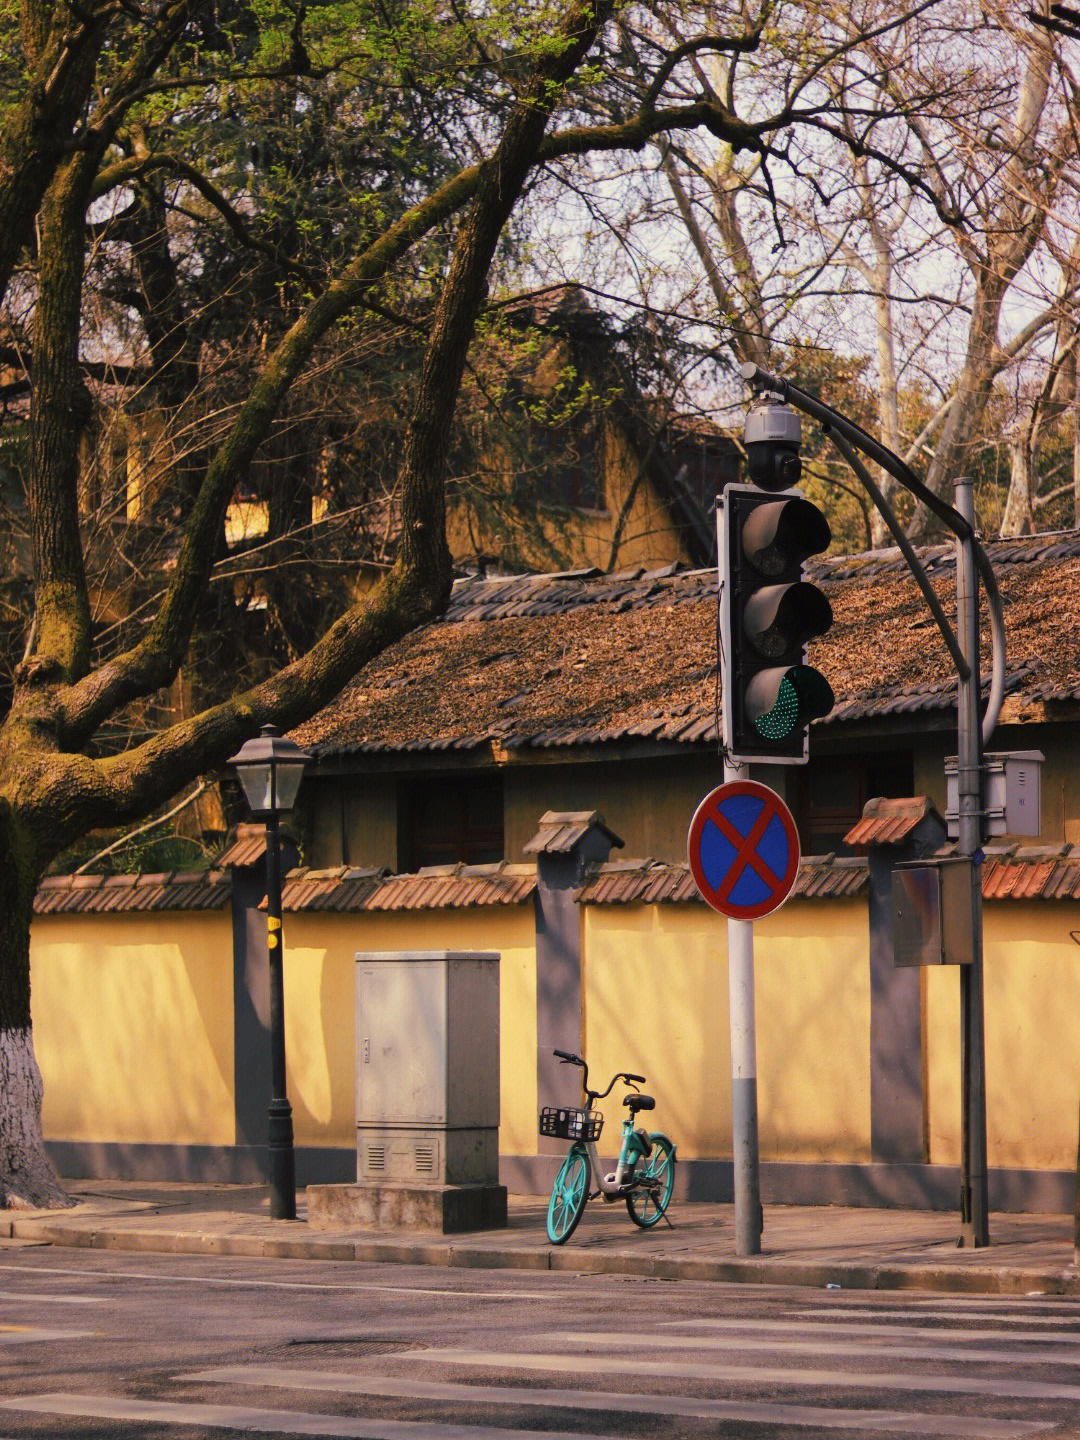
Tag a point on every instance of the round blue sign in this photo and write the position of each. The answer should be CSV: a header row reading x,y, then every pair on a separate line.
x,y
743,850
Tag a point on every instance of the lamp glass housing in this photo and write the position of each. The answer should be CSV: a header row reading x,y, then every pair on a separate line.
x,y
270,770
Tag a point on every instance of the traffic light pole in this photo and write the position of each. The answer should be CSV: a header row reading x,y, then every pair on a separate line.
x,y
972,565
744,1109
974,1203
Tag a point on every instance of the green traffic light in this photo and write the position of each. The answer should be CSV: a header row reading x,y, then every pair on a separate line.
x,y
800,694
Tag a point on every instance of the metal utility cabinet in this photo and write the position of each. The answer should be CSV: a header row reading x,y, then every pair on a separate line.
x,y
933,916
1011,793
427,1068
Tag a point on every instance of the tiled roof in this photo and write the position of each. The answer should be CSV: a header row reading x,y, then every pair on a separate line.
x,y
655,882
1032,872
100,894
888,822
440,887
543,661
1008,873
248,848
561,830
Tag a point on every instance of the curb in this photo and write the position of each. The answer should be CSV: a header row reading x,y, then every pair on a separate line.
x,y
757,1270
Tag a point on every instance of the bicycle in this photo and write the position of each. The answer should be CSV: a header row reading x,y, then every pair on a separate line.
x,y
644,1174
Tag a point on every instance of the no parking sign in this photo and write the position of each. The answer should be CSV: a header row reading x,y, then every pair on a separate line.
x,y
743,850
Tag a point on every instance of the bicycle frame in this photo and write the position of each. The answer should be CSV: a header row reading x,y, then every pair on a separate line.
x,y
630,1152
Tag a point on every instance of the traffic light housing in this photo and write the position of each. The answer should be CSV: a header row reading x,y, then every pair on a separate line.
x,y
767,614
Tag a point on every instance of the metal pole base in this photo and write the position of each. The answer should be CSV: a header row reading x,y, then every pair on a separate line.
x,y
282,1161
749,1218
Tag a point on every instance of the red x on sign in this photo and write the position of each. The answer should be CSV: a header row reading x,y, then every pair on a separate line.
x,y
743,850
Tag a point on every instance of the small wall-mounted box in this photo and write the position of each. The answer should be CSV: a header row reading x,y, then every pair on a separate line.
x,y
933,911
1012,794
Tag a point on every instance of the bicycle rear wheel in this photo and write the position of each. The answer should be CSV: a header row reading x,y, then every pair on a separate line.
x,y
568,1196
655,1182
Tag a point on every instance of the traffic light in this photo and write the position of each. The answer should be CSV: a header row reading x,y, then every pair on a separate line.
x,y
767,614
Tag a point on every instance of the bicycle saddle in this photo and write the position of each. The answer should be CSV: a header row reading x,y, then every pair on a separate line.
x,y
637,1102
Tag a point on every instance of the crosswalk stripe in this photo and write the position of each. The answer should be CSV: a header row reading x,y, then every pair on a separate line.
x,y
19,1296
884,1313
248,1283
266,1422
951,1306
563,1364
762,1412
969,1354
840,1325
28,1334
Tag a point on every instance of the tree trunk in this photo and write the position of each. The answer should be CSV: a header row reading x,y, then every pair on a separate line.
x,y
970,397
50,791
1018,518
888,382
27,1178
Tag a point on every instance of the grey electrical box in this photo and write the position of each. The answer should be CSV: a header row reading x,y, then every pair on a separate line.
x,y
933,908
1012,794
427,1067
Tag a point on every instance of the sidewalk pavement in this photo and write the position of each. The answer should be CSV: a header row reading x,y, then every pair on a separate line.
x,y
862,1249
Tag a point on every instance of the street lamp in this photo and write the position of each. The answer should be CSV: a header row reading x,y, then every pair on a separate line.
x,y
270,770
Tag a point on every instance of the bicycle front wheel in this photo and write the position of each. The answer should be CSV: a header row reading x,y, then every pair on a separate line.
x,y
568,1196
654,1183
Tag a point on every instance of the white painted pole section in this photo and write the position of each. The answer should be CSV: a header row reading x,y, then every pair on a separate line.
x,y
744,1121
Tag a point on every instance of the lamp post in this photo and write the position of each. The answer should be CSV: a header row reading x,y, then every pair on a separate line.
x,y
270,770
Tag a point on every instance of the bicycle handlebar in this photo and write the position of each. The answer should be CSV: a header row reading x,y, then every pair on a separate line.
x,y
590,1095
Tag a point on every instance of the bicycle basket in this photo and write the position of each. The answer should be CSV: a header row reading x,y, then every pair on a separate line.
x,y
571,1124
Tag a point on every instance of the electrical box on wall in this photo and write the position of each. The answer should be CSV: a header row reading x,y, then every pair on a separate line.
x,y
1012,794
933,910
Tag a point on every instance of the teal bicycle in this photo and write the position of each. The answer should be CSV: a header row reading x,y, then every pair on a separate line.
x,y
644,1174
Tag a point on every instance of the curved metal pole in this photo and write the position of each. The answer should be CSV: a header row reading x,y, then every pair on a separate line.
x,y
881,455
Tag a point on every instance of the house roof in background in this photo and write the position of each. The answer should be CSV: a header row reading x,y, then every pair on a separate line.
x,y
541,661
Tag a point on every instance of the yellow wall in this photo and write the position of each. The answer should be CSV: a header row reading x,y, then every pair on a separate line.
x,y
812,984
133,1027
320,1040
1032,992
1060,786
648,803
656,1004
133,1024
656,1001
